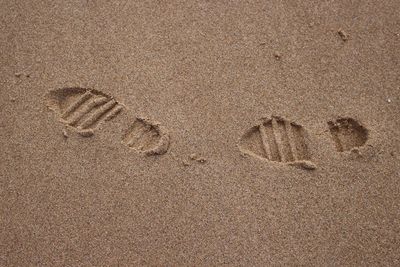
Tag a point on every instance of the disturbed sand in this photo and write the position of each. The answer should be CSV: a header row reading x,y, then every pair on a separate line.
x,y
199,133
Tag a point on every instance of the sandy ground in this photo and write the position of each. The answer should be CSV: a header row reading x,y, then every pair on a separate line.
x,y
215,75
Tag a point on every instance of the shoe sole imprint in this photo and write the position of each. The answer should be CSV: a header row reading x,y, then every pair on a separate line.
x,y
149,138
86,109
277,140
348,134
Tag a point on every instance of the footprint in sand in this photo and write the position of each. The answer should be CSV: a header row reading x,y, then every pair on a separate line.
x,y
85,110
277,140
348,134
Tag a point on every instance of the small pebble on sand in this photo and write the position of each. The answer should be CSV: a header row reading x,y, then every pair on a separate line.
x,y
197,158
65,133
277,55
343,35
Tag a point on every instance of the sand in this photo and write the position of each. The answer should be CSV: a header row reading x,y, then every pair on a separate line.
x,y
199,133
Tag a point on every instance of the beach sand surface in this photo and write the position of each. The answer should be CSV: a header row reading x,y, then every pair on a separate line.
x,y
199,133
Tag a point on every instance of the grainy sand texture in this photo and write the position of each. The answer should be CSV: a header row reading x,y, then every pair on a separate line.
x,y
199,133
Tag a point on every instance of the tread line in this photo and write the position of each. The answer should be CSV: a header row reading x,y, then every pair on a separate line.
x,y
292,141
264,138
98,114
278,139
87,95
86,109
113,112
